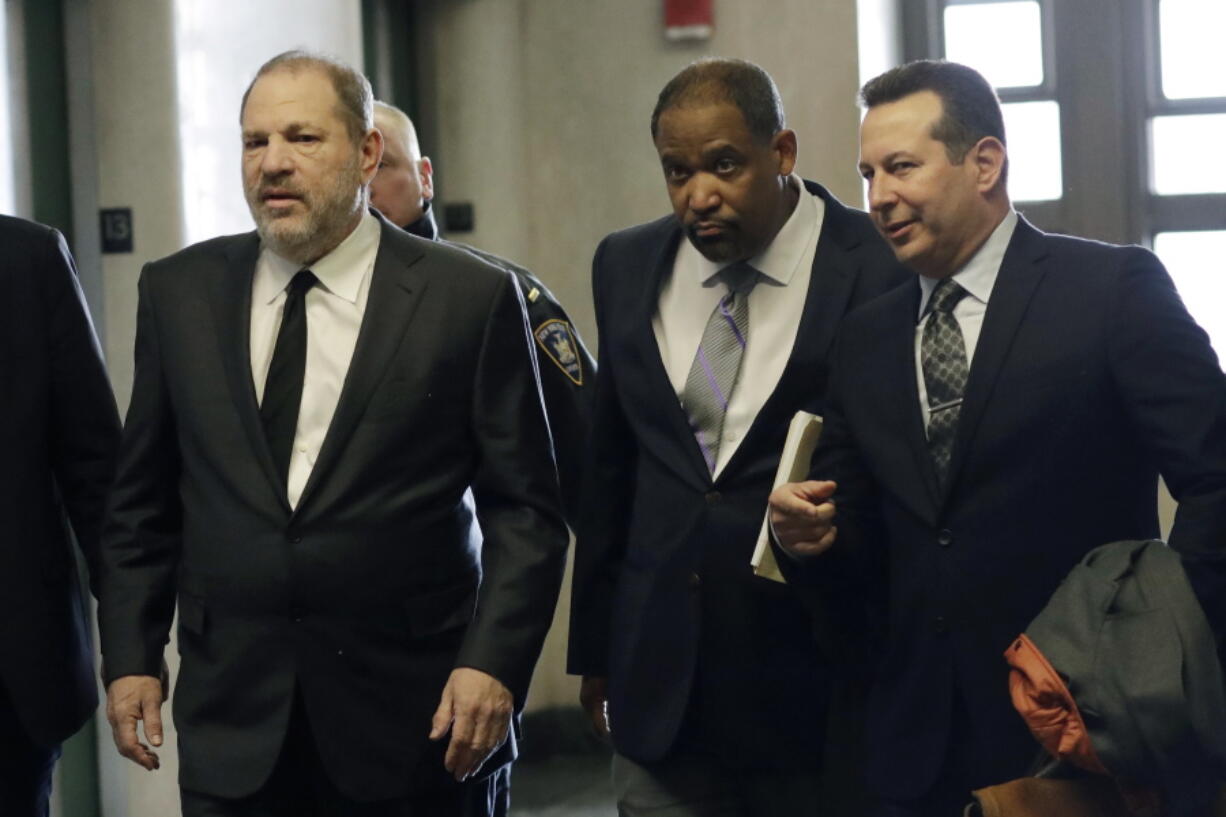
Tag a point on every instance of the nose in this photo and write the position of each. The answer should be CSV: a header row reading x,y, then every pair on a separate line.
x,y
703,195
277,158
880,193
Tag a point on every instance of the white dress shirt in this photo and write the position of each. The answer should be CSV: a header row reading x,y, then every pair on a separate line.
x,y
977,277
334,310
690,295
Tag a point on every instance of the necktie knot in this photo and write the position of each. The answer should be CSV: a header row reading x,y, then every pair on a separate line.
x,y
301,283
945,296
739,277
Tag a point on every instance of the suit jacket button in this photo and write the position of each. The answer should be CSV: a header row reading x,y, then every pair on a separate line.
x,y
940,625
945,538
293,537
713,497
695,581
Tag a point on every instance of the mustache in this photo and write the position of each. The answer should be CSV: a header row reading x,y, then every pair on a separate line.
x,y
269,187
694,226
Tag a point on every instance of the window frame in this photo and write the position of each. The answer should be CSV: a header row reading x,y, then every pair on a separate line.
x,y
1107,98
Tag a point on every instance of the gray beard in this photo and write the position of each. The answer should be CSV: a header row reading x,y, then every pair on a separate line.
x,y
324,229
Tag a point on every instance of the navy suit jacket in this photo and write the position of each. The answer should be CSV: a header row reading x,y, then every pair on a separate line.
x,y
664,601
60,432
1088,379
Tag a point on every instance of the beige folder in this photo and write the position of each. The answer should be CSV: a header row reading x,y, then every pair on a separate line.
x,y
798,448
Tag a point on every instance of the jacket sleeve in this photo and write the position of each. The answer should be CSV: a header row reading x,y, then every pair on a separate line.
x,y
142,537
524,549
567,386
844,587
1171,383
608,486
84,419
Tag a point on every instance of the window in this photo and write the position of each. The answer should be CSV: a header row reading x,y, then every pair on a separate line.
x,y
8,185
1113,111
1016,66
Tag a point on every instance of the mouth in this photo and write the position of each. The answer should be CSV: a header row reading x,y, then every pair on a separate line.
x,y
897,230
278,198
708,229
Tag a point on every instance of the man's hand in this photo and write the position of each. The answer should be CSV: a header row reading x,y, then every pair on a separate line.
x,y
130,699
594,698
802,516
477,708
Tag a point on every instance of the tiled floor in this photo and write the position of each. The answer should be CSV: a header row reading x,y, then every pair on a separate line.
x,y
563,786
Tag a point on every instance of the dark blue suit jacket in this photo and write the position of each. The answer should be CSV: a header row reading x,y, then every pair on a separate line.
x,y
1088,379
664,601
59,431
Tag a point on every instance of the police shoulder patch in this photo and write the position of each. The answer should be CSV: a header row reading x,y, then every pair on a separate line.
x,y
558,342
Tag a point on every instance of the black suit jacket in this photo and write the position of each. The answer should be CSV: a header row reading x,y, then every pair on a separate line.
x,y
60,432
385,577
1088,378
664,602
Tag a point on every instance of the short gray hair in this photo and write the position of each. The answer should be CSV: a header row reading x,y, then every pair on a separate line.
x,y
353,94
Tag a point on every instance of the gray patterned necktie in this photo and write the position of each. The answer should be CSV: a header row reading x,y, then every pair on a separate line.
x,y
713,374
943,360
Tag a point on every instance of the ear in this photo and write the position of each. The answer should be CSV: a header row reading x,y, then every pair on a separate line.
x,y
371,154
425,172
784,145
989,163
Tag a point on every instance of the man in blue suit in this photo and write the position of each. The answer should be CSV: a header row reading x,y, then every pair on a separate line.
x,y
60,432
987,426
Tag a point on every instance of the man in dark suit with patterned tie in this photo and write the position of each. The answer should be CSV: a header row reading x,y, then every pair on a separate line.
x,y
337,463
987,426
715,324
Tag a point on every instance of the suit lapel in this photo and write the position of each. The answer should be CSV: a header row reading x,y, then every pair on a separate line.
x,y
899,331
1020,273
396,289
835,267
230,299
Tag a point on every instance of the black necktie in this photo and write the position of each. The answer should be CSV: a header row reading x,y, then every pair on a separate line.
x,y
943,359
283,388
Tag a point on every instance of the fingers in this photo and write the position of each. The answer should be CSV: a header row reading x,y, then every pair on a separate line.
x,y
441,721
478,709
801,499
802,516
594,700
480,727
131,699
600,719
814,547
151,714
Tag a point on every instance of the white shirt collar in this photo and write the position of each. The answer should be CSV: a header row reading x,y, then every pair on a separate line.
x,y
340,272
779,261
978,275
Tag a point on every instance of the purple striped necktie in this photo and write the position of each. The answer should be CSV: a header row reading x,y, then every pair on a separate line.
x,y
717,364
